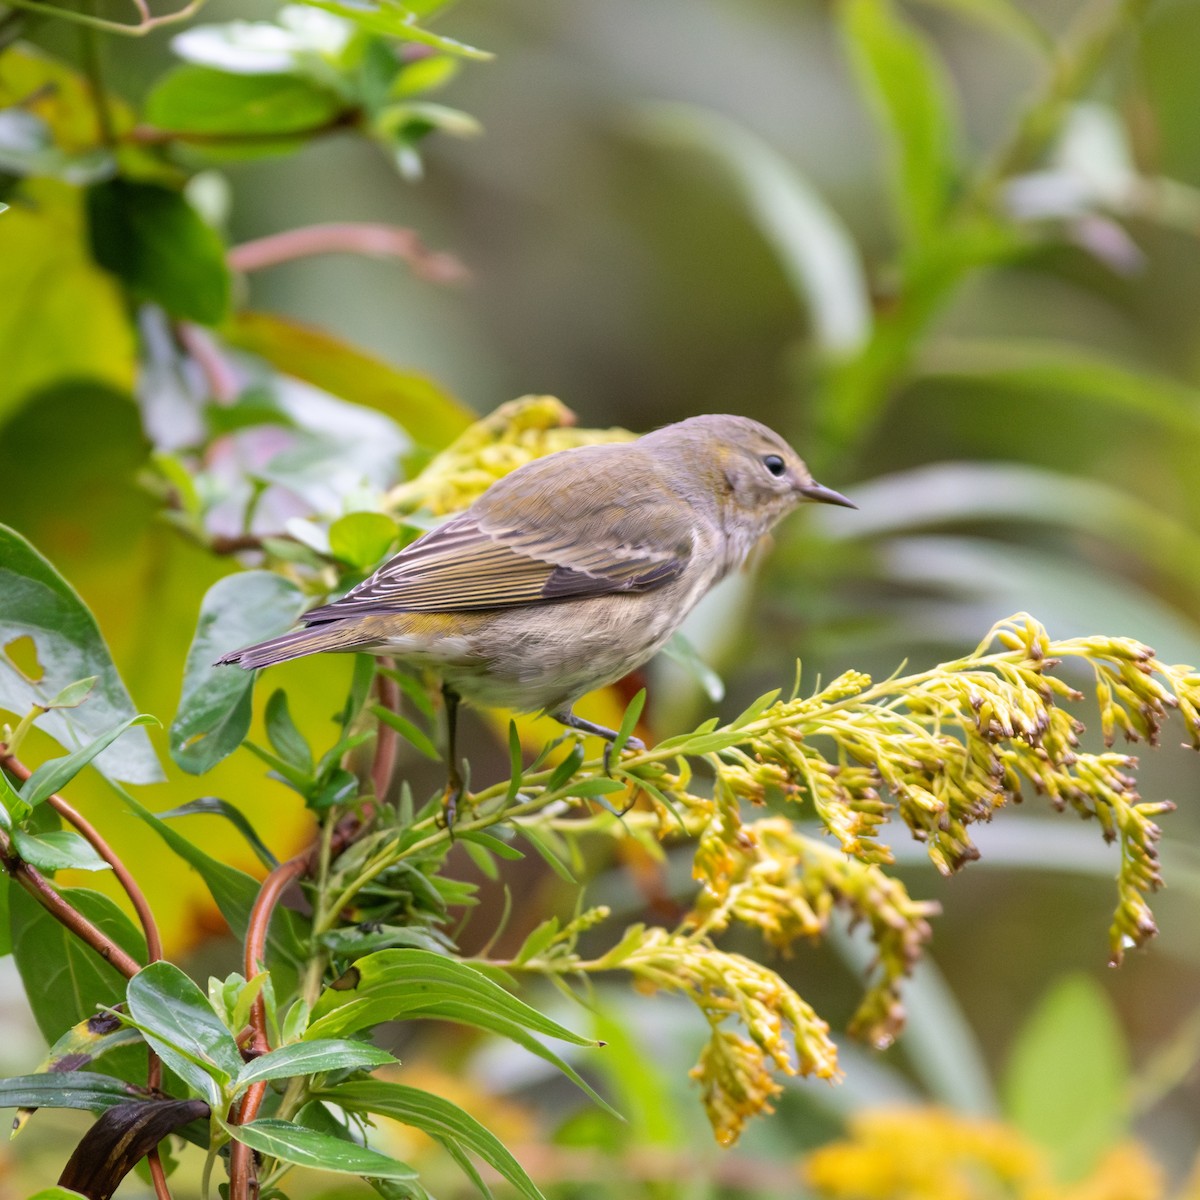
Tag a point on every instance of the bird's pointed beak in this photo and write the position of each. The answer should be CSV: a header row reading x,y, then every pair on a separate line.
x,y
824,495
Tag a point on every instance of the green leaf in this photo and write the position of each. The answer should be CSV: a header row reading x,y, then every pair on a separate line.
x,y
311,1057
908,89
201,100
65,979
36,602
393,19
438,1118
61,317
302,1147
175,1017
407,730
1003,17
58,850
813,246
234,893
156,243
681,650
430,415
67,1089
416,984
215,707
57,1193
282,733
234,815
54,775
74,694
362,538
1067,1081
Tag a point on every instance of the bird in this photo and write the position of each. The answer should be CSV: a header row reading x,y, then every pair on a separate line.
x,y
567,573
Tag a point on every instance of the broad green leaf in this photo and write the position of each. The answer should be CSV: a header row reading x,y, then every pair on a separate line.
x,y
1067,1082
156,243
235,816
234,893
437,1117
282,733
313,1056
908,88
393,19
66,1089
65,979
430,415
362,538
302,1147
175,1017
200,100
54,775
215,707
36,602
58,850
416,984
61,317
814,249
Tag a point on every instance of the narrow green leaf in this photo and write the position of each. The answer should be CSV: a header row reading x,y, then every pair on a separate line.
x,y
58,850
407,730
490,842
565,769
435,1116
553,860
177,1020
538,939
302,1147
54,775
36,602
311,1057
155,242
586,788
393,19
515,763
362,538
214,708
74,694
754,710
234,815
282,733
67,1089
1067,1081
909,91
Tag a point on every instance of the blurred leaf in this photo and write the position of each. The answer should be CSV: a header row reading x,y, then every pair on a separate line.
x,y
427,413
175,1017
1049,369
200,100
58,850
409,984
312,1058
54,775
408,731
1003,17
60,316
680,649
302,1147
1066,1085
235,816
814,248
156,243
215,706
438,1118
66,1089
288,741
362,538
36,602
396,20
65,979
908,89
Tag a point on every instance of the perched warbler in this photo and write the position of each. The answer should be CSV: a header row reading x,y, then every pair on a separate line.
x,y
568,573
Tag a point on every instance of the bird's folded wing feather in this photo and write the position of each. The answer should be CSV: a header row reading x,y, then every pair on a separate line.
x,y
485,559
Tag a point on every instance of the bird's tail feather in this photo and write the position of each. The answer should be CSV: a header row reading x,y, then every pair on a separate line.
x,y
296,644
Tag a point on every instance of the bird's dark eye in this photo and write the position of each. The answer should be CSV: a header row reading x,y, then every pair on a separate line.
x,y
774,464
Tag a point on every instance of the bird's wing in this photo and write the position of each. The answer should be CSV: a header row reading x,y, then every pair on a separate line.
x,y
503,552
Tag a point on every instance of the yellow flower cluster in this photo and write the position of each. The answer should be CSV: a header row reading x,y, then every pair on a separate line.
x,y
516,433
932,1154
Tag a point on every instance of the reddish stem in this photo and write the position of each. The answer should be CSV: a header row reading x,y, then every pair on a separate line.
x,y
348,237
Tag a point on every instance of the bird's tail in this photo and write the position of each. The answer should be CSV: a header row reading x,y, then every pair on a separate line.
x,y
332,636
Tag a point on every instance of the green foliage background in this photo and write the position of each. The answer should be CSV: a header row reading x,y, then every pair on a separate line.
x,y
783,209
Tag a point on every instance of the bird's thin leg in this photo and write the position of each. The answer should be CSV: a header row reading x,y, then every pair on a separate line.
x,y
454,783
566,717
